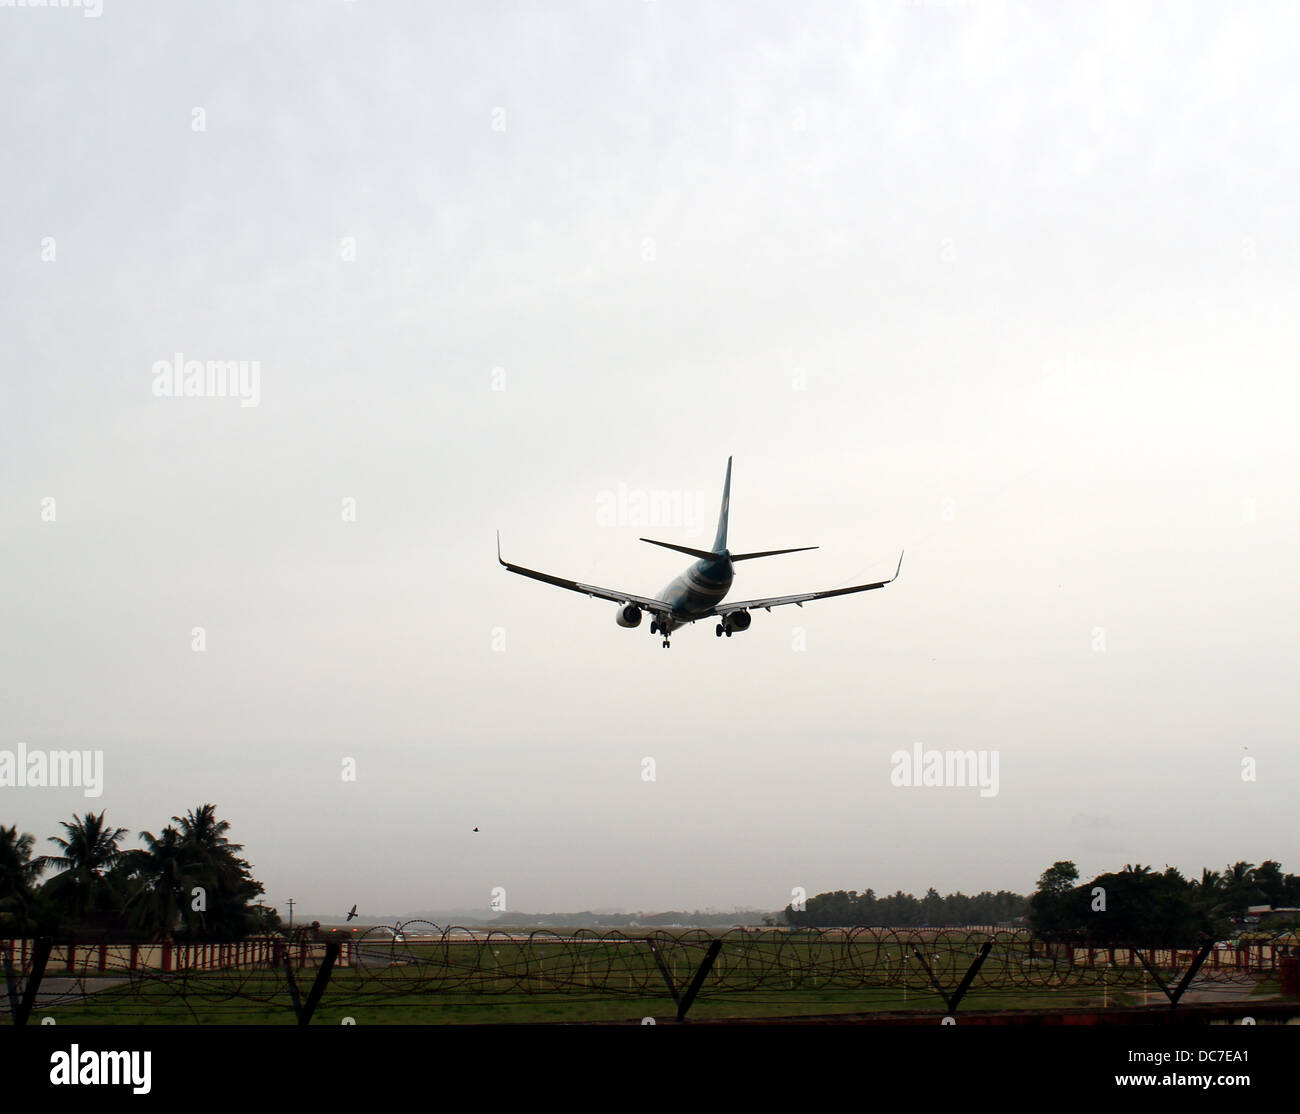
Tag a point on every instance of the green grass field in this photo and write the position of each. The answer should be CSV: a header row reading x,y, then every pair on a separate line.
x,y
265,1000
548,980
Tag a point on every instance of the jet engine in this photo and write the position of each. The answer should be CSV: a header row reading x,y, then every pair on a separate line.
x,y
738,620
629,615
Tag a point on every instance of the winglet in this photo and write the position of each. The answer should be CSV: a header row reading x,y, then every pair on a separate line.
x,y
896,571
499,547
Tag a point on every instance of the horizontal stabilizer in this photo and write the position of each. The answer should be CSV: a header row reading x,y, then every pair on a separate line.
x,y
770,553
703,554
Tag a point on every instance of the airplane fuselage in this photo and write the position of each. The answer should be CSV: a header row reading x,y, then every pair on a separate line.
x,y
698,590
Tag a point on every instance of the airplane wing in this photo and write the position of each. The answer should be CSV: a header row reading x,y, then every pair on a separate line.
x,y
653,606
802,598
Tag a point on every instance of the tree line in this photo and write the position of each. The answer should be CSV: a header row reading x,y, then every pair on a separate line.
x,y
186,882
1137,905
848,907
1143,907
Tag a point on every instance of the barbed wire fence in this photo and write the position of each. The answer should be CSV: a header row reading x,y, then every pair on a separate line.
x,y
419,962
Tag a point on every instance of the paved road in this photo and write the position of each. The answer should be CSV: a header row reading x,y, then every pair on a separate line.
x,y
56,991
1219,990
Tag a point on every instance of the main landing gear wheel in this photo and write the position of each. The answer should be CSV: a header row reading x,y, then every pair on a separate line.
x,y
654,628
718,632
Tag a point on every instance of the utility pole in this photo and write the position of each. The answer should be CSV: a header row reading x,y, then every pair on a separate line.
x,y
291,904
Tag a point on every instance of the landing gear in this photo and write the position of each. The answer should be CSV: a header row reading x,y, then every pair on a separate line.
x,y
718,632
654,628
665,643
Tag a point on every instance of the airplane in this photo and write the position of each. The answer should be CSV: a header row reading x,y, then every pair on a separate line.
x,y
698,593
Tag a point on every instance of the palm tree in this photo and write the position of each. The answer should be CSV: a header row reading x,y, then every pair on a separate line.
x,y
1239,889
18,874
212,862
204,839
17,869
1270,882
1240,873
156,878
89,852
1209,896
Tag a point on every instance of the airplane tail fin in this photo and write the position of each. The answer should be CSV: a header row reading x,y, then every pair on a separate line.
x,y
720,541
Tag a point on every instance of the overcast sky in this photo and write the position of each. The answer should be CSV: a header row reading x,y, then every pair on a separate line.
x,y
1010,286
